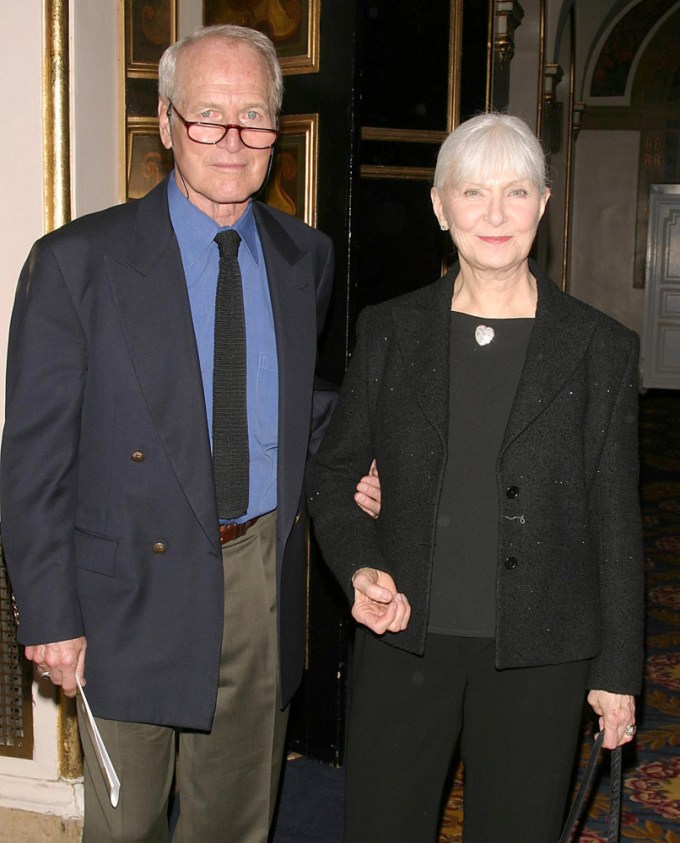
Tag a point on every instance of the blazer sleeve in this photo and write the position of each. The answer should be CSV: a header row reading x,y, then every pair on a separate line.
x,y
347,536
46,373
615,506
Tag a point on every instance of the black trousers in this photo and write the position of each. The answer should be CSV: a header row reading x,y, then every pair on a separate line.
x,y
518,731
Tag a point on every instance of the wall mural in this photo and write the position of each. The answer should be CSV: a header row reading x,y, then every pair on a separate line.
x,y
293,26
151,30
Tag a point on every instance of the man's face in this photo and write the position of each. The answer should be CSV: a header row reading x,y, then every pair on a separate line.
x,y
219,82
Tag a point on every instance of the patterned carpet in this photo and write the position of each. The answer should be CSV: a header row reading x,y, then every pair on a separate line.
x,y
651,798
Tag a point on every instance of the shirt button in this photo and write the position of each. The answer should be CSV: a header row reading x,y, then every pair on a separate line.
x,y
159,547
512,492
137,456
511,562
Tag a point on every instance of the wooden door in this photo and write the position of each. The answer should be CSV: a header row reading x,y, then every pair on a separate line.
x,y
394,78
661,335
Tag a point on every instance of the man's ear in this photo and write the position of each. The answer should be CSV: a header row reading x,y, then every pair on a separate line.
x,y
164,124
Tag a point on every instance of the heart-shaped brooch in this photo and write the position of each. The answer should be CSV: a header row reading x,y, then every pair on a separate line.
x,y
484,334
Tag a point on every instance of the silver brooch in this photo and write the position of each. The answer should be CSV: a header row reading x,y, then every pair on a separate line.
x,y
484,334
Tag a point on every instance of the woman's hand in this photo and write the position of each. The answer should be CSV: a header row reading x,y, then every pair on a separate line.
x,y
377,603
367,495
617,716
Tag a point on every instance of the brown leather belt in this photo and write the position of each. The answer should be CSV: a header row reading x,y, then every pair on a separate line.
x,y
229,532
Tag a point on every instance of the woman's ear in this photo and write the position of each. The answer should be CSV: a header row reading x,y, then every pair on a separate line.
x,y
543,202
438,210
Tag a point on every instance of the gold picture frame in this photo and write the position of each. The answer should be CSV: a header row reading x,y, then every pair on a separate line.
x,y
151,28
293,26
148,161
292,183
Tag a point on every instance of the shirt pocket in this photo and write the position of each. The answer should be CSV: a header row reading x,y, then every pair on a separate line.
x,y
267,400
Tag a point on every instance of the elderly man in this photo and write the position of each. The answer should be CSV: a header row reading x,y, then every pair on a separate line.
x,y
159,411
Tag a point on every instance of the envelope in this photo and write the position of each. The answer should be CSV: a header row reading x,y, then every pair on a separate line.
x,y
105,765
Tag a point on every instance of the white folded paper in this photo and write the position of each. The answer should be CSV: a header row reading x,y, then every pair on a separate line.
x,y
105,764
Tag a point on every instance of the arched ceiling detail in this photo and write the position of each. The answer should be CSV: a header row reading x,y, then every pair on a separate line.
x,y
618,48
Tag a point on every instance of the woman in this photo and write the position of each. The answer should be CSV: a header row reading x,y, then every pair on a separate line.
x,y
502,580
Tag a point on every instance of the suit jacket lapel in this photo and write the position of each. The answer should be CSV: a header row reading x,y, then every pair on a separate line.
x,y
150,292
423,333
292,292
559,339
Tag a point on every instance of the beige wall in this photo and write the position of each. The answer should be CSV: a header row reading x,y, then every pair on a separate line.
x,y
20,148
35,785
603,231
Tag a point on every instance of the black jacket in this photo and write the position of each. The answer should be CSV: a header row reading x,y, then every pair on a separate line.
x,y
570,573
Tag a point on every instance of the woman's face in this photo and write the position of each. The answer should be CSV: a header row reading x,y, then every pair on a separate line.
x,y
493,225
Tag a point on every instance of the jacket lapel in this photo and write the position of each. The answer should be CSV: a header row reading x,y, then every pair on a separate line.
x,y
293,295
423,331
559,339
150,292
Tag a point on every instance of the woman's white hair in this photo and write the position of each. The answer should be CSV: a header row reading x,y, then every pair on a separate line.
x,y
170,87
490,147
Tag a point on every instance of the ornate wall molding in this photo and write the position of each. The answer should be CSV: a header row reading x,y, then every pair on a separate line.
x,y
56,128
508,16
57,196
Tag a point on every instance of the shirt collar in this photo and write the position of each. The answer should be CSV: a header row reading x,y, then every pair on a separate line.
x,y
195,231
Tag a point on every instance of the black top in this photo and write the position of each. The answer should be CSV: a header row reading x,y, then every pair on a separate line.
x,y
483,383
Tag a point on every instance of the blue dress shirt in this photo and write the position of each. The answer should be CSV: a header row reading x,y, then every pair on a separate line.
x,y
195,232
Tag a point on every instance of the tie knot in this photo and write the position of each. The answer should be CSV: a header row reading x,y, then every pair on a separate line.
x,y
228,242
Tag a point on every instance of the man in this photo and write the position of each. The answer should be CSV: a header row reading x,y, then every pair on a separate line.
x,y
114,525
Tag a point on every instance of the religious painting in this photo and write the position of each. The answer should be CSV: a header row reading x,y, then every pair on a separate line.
x,y
151,27
148,161
293,26
291,186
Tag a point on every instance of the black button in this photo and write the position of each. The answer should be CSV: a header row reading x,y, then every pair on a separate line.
x,y
511,562
512,492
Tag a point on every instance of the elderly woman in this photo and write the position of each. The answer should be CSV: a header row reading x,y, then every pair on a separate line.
x,y
502,581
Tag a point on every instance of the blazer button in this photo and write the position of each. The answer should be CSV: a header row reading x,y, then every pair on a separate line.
x,y
137,456
159,547
512,492
510,563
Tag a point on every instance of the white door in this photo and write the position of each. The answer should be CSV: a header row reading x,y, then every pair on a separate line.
x,y
661,335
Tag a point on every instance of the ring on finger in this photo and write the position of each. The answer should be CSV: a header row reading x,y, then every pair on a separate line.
x,y
44,674
629,731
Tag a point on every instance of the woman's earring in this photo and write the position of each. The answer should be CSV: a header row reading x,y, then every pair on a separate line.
x,y
444,227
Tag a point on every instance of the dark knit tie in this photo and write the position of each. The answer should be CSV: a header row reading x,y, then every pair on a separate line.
x,y
231,458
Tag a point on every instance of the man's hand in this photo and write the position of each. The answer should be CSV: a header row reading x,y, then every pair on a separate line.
x,y
367,495
60,661
617,716
377,603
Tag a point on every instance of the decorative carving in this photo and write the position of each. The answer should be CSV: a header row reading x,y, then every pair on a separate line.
x,y
552,76
508,16
577,117
551,129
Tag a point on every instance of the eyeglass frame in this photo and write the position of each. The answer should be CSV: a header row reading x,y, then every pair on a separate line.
x,y
226,126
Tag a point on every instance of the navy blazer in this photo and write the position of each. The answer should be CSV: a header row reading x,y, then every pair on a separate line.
x,y
569,573
109,518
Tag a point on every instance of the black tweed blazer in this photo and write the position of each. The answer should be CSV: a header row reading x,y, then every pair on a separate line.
x,y
570,572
